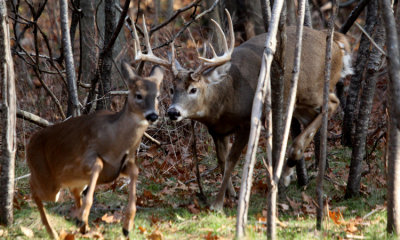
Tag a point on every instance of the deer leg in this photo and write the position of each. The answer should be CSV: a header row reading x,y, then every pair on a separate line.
x,y
130,211
53,234
241,138
301,170
88,200
303,140
222,149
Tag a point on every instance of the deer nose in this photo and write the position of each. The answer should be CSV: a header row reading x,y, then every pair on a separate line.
x,y
173,113
152,117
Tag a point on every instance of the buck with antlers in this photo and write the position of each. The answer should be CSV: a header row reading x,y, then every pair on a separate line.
x,y
219,93
96,148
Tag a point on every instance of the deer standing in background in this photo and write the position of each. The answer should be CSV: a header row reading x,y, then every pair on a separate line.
x,y
219,93
94,149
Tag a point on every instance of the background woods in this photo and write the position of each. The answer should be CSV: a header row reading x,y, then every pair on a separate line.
x,y
56,79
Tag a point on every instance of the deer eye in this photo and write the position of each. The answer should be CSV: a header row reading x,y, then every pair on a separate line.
x,y
193,91
139,96
171,91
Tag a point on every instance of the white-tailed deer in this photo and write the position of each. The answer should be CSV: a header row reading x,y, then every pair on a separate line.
x,y
94,149
219,93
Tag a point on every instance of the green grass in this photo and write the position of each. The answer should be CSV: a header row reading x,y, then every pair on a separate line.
x,y
172,213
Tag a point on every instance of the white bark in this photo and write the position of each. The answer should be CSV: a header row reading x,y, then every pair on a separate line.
x,y
8,121
270,46
69,59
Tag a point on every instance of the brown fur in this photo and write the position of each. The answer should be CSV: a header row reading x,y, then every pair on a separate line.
x,y
93,149
225,98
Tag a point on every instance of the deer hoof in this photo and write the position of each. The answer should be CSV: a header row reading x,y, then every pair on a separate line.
x,y
84,228
125,232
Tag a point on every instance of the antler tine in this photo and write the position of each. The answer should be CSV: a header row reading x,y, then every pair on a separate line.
x,y
150,57
221,32
231,32
226,56
146,37
173,64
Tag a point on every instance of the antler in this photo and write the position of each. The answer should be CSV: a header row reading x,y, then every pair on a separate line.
x,y
150,57
216,60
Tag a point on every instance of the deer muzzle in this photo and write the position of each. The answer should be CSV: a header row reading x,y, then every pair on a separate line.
x,y
173,113
151,117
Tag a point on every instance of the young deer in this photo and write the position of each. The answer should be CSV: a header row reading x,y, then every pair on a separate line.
x,y
94,149
219,93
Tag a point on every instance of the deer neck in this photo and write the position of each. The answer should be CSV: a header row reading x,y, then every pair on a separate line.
x,y
130,120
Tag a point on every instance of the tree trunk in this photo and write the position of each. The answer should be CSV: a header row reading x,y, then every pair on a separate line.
x,y
8,121
88,40
359,141
170,8
69,60
392,44
264,76
308,17
213,34
324,127
355,83
105,72
266,13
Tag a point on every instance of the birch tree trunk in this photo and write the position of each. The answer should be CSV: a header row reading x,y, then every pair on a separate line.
x,y
270,46
393,181
8,121
324,126
360,137
69,60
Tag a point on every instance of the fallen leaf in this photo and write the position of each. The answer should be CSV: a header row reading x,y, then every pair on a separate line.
x,y
193,209
283,206
156,235
211,236
112,218
336,217
306,198
142,230
351,228
293,204
27,231
64,235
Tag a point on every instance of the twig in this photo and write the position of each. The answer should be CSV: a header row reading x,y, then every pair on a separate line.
x,y
196,159
174,15
370,39
353,16
324,125
187,24
152,139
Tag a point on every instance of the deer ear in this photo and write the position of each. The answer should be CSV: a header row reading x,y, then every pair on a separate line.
x,y
157,73
128,72
217,75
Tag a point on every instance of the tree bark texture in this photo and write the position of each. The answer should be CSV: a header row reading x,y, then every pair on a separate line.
x,y
88,40
367,97
69,60
105,71
308,17
270,45
266,13
324,127
355,83
8,121
393,178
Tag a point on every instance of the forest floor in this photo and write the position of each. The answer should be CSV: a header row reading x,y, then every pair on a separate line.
x,y
169,209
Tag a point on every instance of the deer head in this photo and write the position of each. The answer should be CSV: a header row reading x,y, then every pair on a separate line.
x,y
191,87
